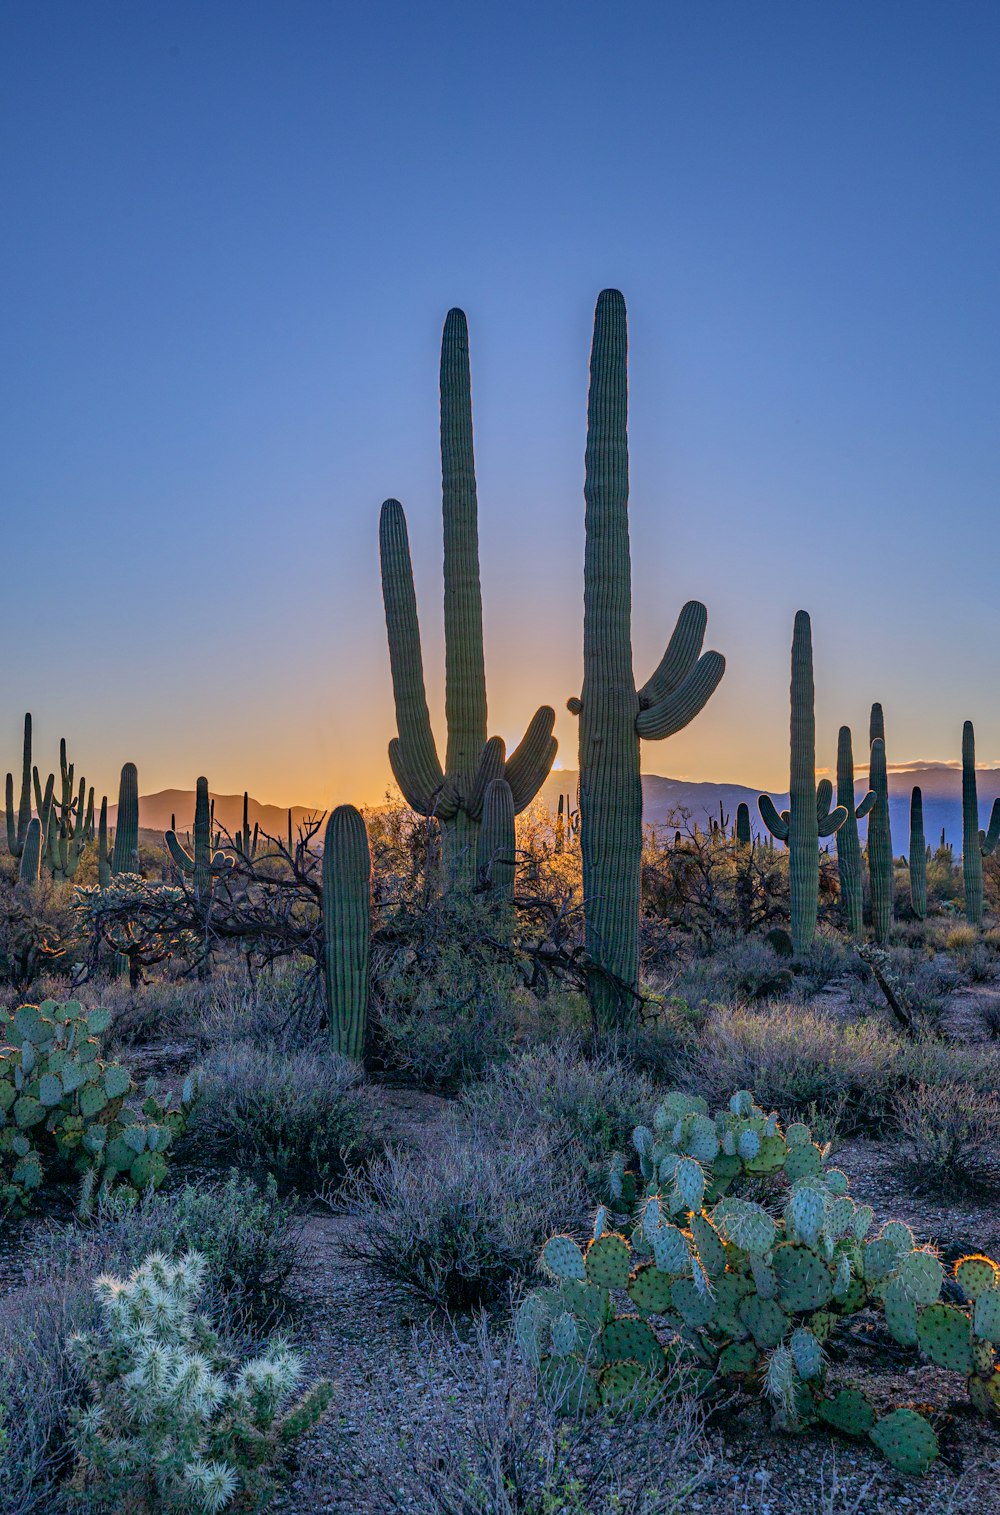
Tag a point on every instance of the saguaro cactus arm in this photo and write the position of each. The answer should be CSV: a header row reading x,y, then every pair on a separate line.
x,y
17,827
529,764
777,824
989,839
413,754
683,682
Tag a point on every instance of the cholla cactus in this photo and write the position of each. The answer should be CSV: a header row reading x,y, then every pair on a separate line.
x,y
170,1423
746,1296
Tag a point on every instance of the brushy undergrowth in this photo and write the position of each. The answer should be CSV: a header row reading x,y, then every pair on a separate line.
x,y
302,1116
454,1226
951,1136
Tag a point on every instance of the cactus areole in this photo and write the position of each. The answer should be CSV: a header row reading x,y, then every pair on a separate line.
x,y
613,713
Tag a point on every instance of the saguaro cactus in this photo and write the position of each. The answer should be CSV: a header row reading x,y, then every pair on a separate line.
x,y
848,842
17,827
809,816
614,714
125,855
455,793
246,840
744,835
976,844
204,862
30,868
918,855
103,850
879,849
496,856
347,871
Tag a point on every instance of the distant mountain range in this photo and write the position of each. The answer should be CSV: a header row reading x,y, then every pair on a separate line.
x,y
663,799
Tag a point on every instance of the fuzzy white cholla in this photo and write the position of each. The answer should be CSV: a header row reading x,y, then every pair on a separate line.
x,y
171,1425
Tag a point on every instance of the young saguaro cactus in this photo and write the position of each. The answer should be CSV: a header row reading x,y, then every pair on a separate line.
x,y
204,861
918,855
455,792
880,855
17,825
614,714
743,833
347,873
848,843
976,844
809,816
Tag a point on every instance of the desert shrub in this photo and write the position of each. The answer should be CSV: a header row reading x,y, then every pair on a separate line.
x,y
951,1134
493,1448
738,970
661,1040
247,1234
172,1421
594,1102
989,1014
39,933
302,1116
977,964
825,960
960,938
796,1060
442,1005
932,1060
453,1227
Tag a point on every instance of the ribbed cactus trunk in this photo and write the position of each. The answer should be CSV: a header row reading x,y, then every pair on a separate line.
x,y
453,794
125,857
614,715
18,830
347,873
809,815
103,851
30,868
610,784
880,854
744,835
202,872
465,667
848,841
976,844
496,856
918,855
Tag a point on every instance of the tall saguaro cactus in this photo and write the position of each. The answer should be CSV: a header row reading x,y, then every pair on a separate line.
x,y
918,855
880,854
204,862
125,854
17,826
809,816
455,792
848,842
614,714
976,844
347,872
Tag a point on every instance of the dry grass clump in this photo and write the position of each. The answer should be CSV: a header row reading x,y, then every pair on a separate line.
x,y
951,1136
454,1227
302,1116
960,938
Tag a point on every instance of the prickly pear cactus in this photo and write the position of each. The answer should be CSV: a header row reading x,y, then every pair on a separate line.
x,y
63,1108
748,1293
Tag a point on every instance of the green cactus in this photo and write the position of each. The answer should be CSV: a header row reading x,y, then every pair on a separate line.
x,y
347,872
245,840
848,843
30,868
204,863
614,714
976,844
496,854
744,834
69,820
454,793
810,815
879,846
103,848
125,854
17,829
918,855
906,1440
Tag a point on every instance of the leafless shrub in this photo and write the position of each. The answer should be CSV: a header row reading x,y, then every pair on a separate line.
x,y
952,1135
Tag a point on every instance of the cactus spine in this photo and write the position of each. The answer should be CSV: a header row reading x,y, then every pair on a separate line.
x,y
848,843
976,844
880,856
455,793
16,833
347,872
614,715
918,855
125,855
809,816
496,856
30,868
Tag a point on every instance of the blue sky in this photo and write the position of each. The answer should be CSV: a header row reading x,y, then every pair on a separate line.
x,y
230,236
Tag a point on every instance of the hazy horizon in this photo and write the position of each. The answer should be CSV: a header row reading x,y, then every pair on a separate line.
x,y
233,233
